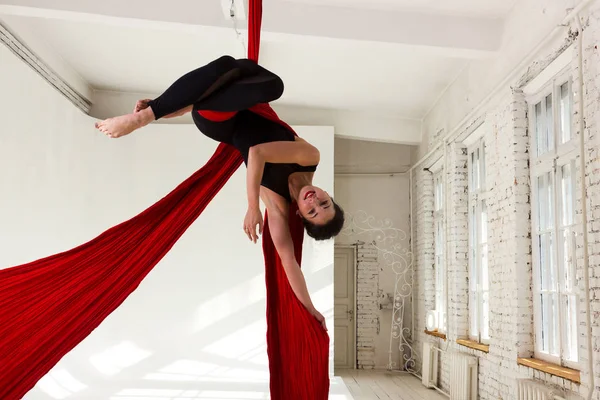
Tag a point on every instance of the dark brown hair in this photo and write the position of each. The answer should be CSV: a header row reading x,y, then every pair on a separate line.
x,y
329,229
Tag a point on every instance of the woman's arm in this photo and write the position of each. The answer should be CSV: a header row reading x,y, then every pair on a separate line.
x,y
254,174
278,225
298,152
143,104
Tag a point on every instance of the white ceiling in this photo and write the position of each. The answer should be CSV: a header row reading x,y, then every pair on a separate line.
x,y
335,54
473,8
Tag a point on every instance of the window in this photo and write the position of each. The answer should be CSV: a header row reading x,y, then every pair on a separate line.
x,y
553,215
479,289
439,240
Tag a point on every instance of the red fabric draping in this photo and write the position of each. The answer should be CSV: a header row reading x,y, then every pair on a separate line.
x,y
49,306
217,116
254,28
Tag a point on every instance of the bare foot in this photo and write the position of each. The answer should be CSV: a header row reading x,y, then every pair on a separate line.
x,y
125,124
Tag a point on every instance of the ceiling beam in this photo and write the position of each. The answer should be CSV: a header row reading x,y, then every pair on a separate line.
x,y
48,64
355,124
459,36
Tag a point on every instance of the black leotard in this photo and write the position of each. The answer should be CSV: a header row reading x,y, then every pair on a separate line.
x,y
231,85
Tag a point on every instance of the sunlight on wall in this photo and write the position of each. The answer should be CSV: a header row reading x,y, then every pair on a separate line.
x,y
60,384
322,300
155,394
249,367
115,359
166,394
245,375
230,301
211,395
257,356
243,392
228,395
241,342
183,370
319,254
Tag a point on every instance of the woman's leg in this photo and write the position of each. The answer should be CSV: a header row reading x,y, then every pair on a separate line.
x,y
195,85
255,85
208,86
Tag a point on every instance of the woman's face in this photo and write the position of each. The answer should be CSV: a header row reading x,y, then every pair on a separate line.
x,y
315,205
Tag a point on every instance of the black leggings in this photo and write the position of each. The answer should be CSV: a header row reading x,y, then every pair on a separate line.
x,y
225,84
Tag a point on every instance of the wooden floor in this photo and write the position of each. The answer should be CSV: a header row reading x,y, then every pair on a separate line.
x,y
376,385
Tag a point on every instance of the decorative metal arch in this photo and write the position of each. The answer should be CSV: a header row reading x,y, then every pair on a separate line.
x,y
395,255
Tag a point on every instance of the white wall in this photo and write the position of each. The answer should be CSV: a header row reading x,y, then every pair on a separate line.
x,y
198,319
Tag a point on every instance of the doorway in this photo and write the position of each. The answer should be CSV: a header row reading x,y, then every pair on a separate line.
x,y
344,309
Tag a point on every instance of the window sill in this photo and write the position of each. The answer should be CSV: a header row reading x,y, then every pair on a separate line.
x,y
552,369
474,345
436,334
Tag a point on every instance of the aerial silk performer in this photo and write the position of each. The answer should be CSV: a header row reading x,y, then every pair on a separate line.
x,y
48,306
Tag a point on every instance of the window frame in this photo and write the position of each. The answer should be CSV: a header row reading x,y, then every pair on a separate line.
x,y
552,162
477,197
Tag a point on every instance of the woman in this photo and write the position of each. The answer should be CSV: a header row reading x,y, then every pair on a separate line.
x,y
280,165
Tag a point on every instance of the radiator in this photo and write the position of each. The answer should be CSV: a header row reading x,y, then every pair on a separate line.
x,y
463,377
430,365
528,389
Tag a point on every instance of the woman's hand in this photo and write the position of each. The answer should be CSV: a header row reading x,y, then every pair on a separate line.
x,y
319,318
141,105
253,218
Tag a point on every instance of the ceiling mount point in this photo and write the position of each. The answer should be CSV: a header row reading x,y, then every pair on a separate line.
x,y
233,9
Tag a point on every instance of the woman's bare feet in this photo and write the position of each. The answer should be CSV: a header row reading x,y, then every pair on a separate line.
x,y
125,124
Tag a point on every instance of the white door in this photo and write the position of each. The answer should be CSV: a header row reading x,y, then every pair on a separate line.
x,y
343,311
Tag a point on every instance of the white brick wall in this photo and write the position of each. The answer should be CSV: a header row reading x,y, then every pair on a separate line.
x,y
511,308
367,287
457,250
458,240
591,94
424,277
509,224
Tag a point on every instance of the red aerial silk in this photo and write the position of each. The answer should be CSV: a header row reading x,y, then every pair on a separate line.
x,y
49,306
